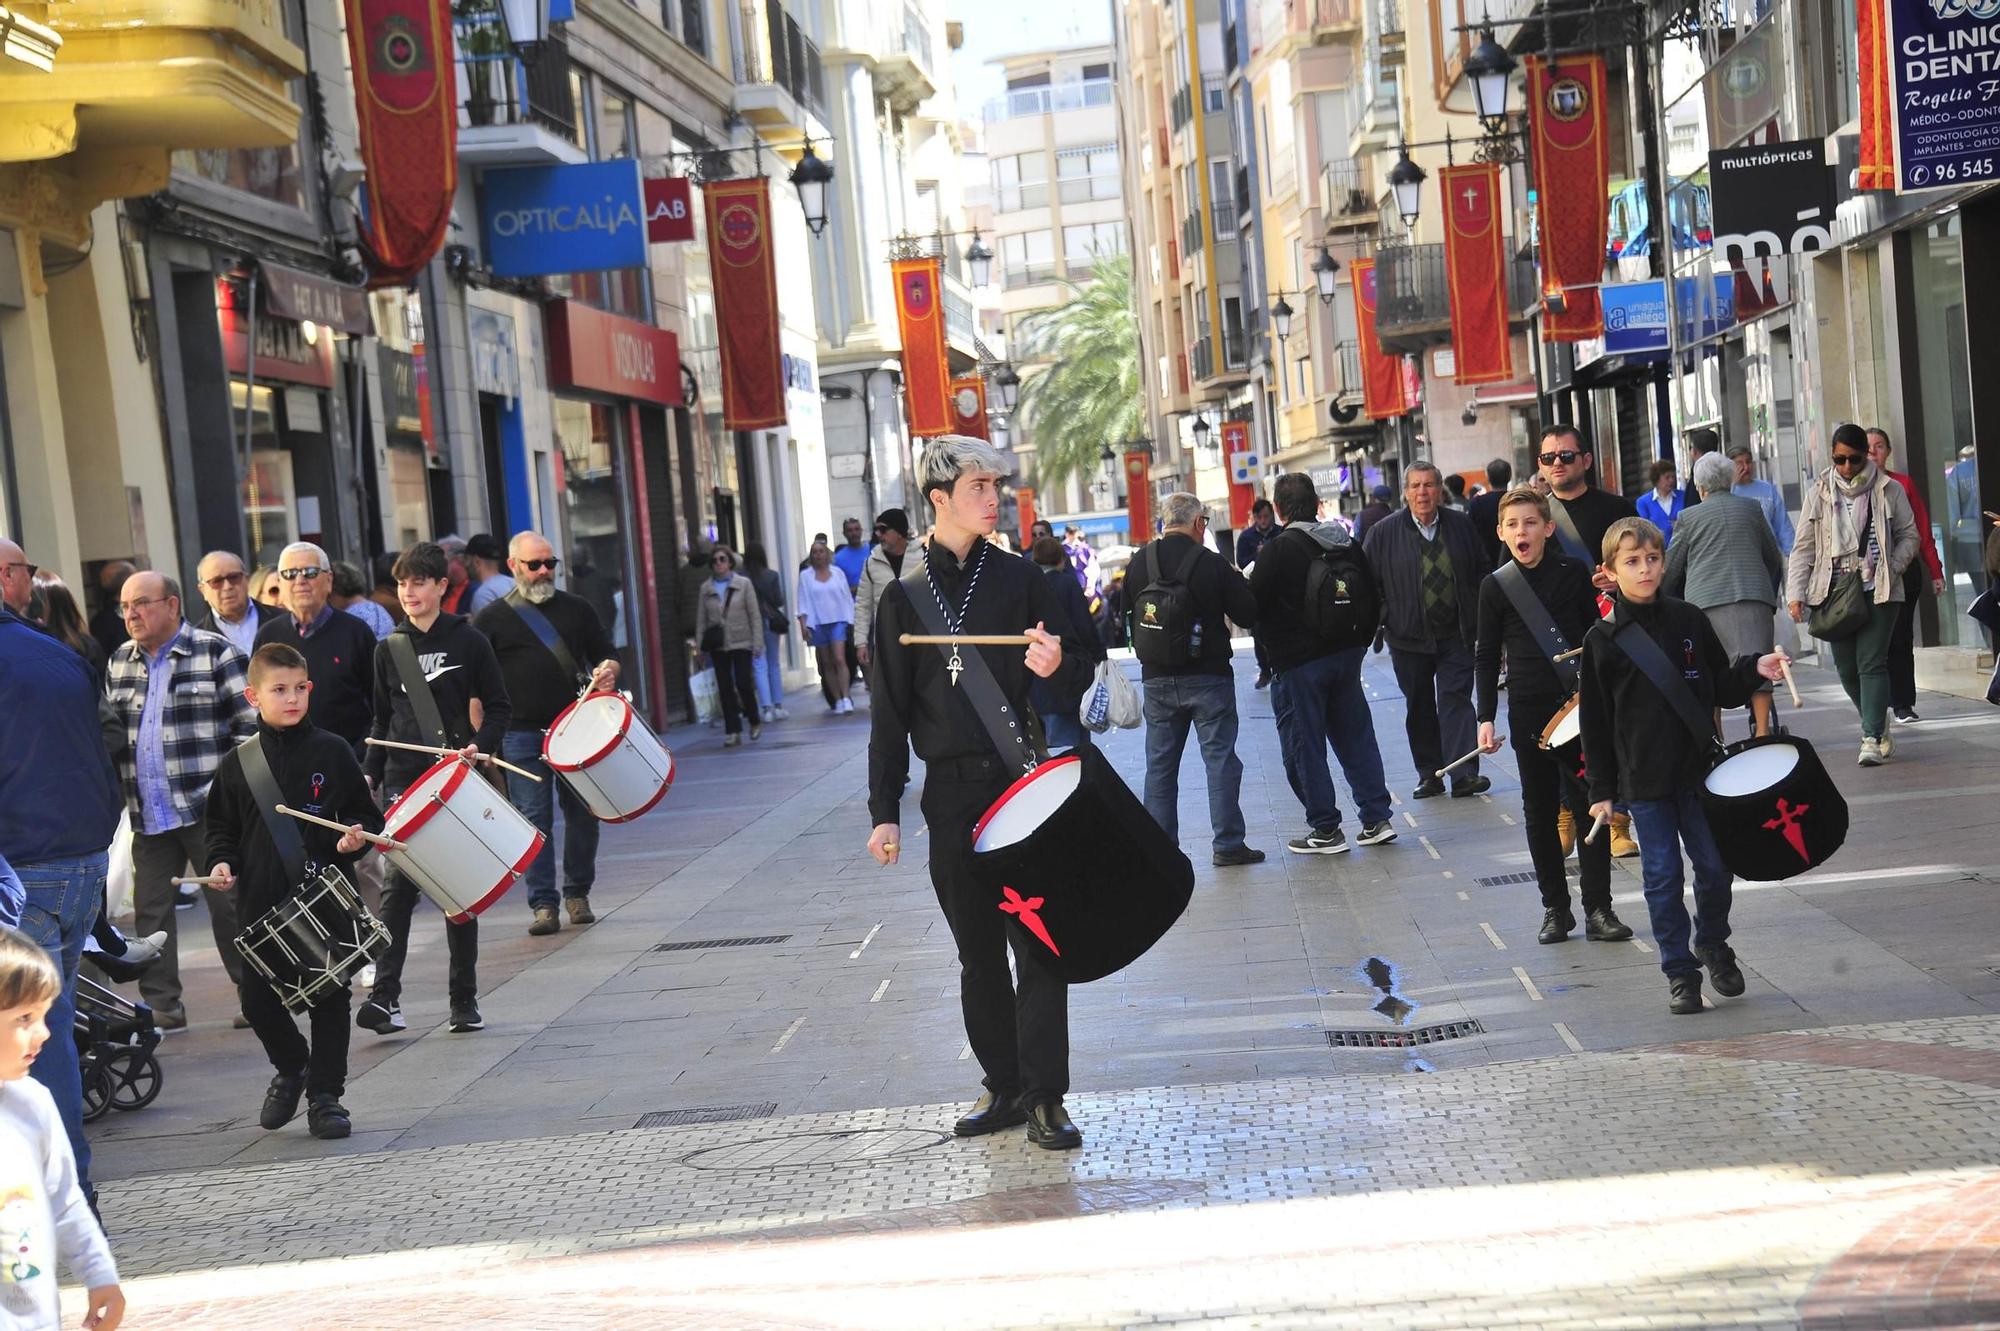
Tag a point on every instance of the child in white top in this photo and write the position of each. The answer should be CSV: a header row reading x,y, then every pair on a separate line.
x,y
42,1211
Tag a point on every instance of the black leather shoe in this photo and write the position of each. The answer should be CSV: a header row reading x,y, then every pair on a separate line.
x,y
1428,788
1723,972
1479,785
1684,994
1556,924
326,1117
1049,1128
1604,926
281,1102
991,1114
1223,859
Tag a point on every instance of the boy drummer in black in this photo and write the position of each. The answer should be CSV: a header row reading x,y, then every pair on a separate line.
x,y
316,772
1020,1035
1558,596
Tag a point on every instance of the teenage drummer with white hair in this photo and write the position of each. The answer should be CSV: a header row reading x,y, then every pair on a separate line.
x,y
1018,1030
546,638
339,649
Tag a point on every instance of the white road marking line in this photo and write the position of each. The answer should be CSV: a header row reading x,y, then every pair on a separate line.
x,y
856,953
1492,937
786,1038
1463,897
1411,819
1485,799
1528,984
1449,874
1507,818
1429,847
1569,1038
880,990
1642,945
965,1053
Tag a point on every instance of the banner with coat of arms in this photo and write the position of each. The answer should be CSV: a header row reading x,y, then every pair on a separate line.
x,y
920,315
1568,136
405,104
746,302
968,407
1475,261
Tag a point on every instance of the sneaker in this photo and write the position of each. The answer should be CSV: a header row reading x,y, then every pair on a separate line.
x,y
778,713
580,911
185,896
1871,753
1223,859
1907,716
1318,843
170,1019
145,951
379,1017
281,1102
846,707
731,741
546,922
1376,834
1888,745
327,1118
465,1017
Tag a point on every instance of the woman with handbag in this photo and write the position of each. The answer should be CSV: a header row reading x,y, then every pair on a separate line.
x,y
1856,535
730,636
826,618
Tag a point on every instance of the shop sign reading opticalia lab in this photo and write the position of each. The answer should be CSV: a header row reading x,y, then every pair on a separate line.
x,y
1944,61
564,219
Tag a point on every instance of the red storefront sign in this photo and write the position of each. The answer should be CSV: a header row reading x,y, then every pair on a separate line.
x,y
284,355
602,353
669,210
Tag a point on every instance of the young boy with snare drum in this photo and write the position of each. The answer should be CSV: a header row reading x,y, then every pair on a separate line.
x,y
315,772
1637,750
1536,606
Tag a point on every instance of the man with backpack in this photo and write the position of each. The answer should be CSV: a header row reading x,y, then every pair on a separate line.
x,y
1187,593
1317,611
1428,564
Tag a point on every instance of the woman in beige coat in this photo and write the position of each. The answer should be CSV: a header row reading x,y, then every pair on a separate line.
x,y
1856,518
729,633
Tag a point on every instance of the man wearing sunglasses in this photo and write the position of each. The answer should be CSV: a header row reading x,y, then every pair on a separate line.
x,y
225,586
339,649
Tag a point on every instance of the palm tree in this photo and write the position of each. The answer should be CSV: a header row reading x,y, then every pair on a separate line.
x,y
1089,395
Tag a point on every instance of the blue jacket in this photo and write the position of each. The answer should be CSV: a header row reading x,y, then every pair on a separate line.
x,y
58,796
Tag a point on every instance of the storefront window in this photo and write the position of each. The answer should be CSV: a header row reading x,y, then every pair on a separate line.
x,y
1952,488
409,494
592,438
267,173
268,495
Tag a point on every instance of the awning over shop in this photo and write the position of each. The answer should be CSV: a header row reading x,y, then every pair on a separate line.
x,y
293,293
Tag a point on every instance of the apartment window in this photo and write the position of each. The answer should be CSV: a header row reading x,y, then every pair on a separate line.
x,y
1211,93
615,134
1084,174
693,26
1085,245
1027,257
579,98
1097,71
1221,197
1020,182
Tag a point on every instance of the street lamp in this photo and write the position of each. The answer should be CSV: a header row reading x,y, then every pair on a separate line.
x,y
1281,319
527,26
1406,182
997,428
1324,270
1489,66
810,178
978,261
1009,385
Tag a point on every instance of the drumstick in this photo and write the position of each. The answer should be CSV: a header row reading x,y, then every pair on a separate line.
x,y
1564,656
1786,665
1497,739
450,753
206,880
969,639
386,843
1596,826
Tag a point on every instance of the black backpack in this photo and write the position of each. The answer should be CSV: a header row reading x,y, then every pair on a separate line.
x,y
1342,604
1164,615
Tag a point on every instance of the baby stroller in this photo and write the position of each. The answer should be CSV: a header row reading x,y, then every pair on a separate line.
x,y
115,1039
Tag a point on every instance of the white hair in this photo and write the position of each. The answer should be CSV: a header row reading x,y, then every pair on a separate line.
x,y
950,456
513,543
1180,510
1713,473
320,557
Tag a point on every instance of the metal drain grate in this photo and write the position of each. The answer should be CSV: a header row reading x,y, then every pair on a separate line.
x,y
702,944
1448,1030
1509,879
681,1118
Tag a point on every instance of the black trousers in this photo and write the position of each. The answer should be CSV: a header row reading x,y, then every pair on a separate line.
x,y
736,682
324,1061
1548,783
1019,1032
399,904
1440,720
1903,639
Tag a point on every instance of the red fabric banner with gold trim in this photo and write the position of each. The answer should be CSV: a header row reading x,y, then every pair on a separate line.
x,y
746,302
968,407
406,106
1475,262
920,315
1568,135
1138,497
1381,373
1024,500
1878,110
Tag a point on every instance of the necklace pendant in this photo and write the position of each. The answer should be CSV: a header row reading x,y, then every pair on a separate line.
x,y
954,665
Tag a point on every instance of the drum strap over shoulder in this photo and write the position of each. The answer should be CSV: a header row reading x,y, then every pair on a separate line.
x,y
403,653
538,624
1016,732
1539,621
1643,652
264,789
1568,537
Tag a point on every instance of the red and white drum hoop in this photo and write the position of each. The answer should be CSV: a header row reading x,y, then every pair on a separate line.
x,y
608,755
1027,804
463,843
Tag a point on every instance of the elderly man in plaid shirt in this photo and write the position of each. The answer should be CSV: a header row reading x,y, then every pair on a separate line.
x,y
179,690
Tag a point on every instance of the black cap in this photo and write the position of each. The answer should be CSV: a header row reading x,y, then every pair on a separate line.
x,y
484,546
895,519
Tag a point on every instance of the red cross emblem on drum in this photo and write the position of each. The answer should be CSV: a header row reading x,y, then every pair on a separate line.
x,y
1787,823
1029,913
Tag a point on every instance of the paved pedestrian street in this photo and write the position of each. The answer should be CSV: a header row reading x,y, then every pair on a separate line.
x,y
1344,1092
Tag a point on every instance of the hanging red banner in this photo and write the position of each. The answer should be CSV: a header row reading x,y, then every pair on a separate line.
x,y
920,313
746,302
1572,153
1878,119
1024,501
1381,373
406,106
1475,262
1138,497
968,407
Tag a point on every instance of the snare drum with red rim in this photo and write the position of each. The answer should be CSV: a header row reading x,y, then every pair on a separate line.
x,y
463,843
1564,728
605,752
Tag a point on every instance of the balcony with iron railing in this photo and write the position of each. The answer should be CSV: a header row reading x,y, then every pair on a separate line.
x,y
1347,193
1232,349
1385,27
1021,102
1347,373
510,112
1225,218
784,78
1191,237
906,66
1202,359
1374,111
1413,296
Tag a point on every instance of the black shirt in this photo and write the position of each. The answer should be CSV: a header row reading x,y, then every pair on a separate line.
x,y
1593,512
915,704
316,773
340,661
459,664
1278,584
536,685
1562,585
1484,510
1219,591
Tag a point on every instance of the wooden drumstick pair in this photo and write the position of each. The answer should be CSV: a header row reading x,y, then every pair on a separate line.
x,y
1453,766
965,639
448,753
204,880
1785,664
386,843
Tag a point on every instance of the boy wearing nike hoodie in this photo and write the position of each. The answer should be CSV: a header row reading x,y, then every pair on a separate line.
x,y
460,669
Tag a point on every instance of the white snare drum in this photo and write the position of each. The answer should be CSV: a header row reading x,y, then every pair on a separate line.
x,y
1027,804
313,941
1565,727
606,753
463,843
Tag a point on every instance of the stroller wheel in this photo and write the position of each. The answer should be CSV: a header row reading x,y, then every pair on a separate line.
x,y
134,1077
96,1092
